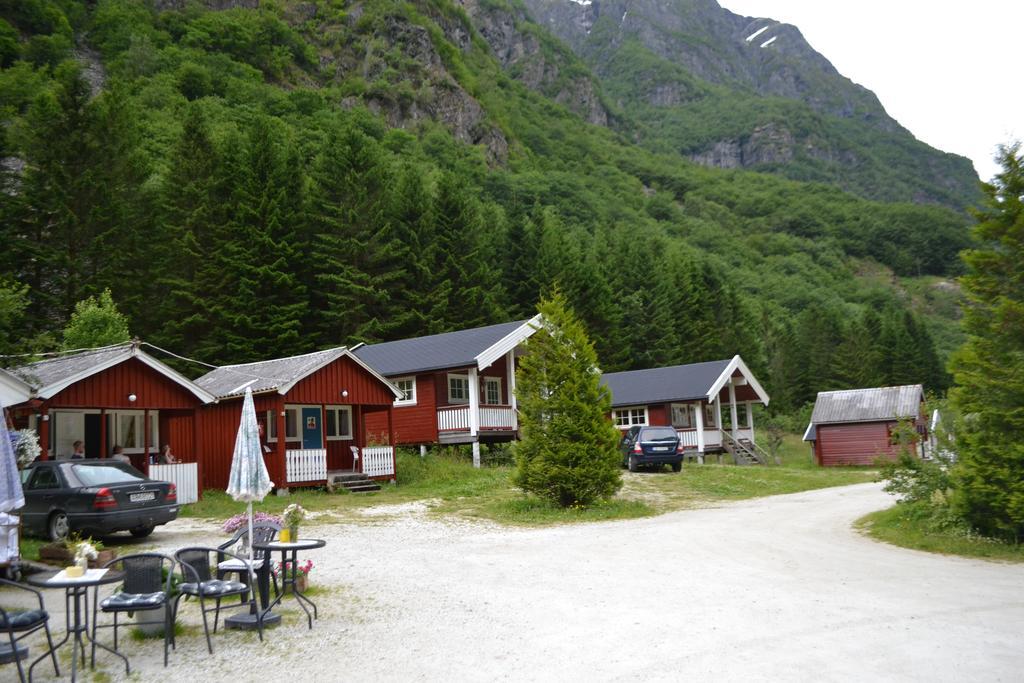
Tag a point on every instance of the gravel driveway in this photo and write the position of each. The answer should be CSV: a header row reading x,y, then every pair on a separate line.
x,y
778,588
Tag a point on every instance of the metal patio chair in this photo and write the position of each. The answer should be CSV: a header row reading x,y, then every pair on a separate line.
x,y
25,623
198,566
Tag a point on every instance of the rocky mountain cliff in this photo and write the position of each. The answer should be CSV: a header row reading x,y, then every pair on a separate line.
x,y
744,92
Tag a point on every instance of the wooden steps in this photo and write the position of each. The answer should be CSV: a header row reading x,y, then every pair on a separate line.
x,y
353,482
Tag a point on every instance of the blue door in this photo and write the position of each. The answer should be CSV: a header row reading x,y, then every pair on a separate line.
x,y
312,430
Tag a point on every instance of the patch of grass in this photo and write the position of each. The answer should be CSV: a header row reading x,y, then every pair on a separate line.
x,y
180,629
29,547
908,526
531,511
447,475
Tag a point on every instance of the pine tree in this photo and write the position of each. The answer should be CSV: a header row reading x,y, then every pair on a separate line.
x,y
568,453
989,368
260,314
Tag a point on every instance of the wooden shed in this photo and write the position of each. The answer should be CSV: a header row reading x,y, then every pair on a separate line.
x,y
312,411
115,396
855,426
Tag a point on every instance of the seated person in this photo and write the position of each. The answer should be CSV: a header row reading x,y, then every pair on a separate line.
x,y
118,454
79,451
166,457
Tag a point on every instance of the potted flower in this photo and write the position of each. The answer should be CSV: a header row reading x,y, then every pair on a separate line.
x,y
83,552
301,573
62,553
293,516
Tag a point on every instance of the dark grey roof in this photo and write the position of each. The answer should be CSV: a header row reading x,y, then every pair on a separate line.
x,y
435,352
267,375
867,405
660,385
48,372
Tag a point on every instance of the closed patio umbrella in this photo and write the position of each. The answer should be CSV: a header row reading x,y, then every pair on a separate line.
x,y
249,481
11,495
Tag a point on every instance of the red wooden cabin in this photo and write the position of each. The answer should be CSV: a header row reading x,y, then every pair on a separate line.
x,y
690,398
855,426
457,387
114,396
320,402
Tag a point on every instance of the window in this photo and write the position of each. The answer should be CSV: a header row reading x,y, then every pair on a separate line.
x,y
627,417
492,390
458,388
46,478
100,475
339,423
127,429
407,385
709,416
684,415
291,424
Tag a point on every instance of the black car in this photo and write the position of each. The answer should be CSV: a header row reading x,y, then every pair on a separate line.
x,y
651,446
94,497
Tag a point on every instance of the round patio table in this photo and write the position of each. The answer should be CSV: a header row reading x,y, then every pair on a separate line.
x,y
76,590
290,569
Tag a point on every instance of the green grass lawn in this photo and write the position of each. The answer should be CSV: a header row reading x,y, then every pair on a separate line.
x,y
448,479
905,525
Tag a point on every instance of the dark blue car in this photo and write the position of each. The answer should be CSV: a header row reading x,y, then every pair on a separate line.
x,y
651,447
94,497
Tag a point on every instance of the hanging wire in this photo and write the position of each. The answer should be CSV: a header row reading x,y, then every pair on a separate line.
x,y
61,353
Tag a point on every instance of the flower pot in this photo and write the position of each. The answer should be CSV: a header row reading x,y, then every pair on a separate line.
x,y
150,622
293,531
301,582
57,554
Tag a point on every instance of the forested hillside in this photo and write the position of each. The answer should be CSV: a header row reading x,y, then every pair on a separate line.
x,y
253,179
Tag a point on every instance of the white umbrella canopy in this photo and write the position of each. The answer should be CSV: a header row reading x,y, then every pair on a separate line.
x,y
249,479
11,495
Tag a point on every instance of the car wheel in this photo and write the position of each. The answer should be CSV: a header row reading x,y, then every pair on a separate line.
x,y
58,526
677,466
141,532
633,467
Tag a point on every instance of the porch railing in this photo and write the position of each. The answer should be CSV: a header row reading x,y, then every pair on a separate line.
x,y
184,476
712,438
492,418
378,461
305,464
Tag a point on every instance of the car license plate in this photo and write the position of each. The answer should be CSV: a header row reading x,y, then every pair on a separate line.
x,y
661,448
139,497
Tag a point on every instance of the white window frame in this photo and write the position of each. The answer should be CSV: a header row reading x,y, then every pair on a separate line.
x,y
338,411
272,424
709,416
690,411
410,396
626,417
115,430
488,383
462,378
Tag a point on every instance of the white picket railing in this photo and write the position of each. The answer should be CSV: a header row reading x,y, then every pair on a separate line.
x,y
497,417
378,461
456,419
712,438
688,437
184,476
305,464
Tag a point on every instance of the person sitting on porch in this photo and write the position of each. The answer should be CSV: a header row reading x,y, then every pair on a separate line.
x,y
79,451
118,454
166,457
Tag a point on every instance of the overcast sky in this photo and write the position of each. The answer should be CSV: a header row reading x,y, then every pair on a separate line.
x,y
949,71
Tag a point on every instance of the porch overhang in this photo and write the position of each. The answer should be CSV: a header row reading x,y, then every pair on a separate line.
x,y
509,342
723,379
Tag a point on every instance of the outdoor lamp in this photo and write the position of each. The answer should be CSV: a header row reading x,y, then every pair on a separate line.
x,y
132,398
344,393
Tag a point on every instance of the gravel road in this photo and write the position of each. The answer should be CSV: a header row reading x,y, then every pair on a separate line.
x,y
778,588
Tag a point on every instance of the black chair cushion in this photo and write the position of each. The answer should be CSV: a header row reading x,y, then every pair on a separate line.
x,y
214,587
133,601
22,621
